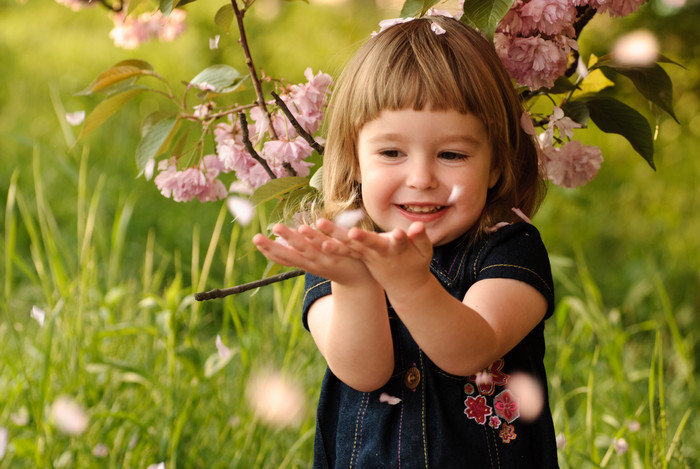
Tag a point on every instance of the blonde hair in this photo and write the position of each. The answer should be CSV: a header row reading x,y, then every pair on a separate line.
x,y
408,66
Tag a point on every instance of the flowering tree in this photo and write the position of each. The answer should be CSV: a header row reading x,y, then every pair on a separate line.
x,y
265,146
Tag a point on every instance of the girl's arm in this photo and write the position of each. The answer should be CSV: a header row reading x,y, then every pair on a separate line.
x,y
350,326
461,337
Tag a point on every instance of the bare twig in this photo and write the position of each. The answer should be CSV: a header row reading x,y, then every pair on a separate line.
x,y
249,147
295,123
251,68
221,293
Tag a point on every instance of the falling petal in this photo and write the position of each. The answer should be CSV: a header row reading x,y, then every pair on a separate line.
x,y
454,195
224,351
241,209
529,394
349,218
241,187
160,465
69,416
437,29
638,48
484,378
75,118
38,315
4,438
526,123
275,399
634,426
621,445
561,441
497,226
388,399
149,169
21,417
214,42
520,213
581,68
100,450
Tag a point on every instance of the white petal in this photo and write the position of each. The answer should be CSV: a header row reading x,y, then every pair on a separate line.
x,y
4,438
529,393
224,351
437,29
160,465
149,169
520,213
388,399
454,195
214,42
38,315
241,209
69,416
638,48
75,118
275,399
349,218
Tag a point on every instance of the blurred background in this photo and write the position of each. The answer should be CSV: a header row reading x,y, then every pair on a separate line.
x,y
113,264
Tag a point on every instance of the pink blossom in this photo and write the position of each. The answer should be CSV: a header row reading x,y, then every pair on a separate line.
x,y
533,61
572,165
526,124
547,17
437,29
620,8
293,152
388,399
559,121
200,182
76,5
129,32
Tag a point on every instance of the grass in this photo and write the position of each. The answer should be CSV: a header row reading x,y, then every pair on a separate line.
x,y
115,266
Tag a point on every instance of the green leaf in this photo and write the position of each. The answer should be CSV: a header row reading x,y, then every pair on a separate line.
x,y
484,15
652,82
224,17
290,205
219,76
121,71
166,6
416,7
613,116
107,108
277,188
150,145
190,359
577,111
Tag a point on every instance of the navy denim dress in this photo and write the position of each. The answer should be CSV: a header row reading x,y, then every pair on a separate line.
x,y
443,420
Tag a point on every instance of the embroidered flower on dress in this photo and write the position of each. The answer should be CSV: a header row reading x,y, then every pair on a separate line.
x,y
507,433
506,406
477,409
494,422
468,388
498,378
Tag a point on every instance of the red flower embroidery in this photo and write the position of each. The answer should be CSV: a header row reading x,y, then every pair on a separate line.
x,y
494,422
468,388
477,409
497,378
507,406
507,433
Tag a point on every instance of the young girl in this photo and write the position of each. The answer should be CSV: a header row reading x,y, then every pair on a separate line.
x,y
427,310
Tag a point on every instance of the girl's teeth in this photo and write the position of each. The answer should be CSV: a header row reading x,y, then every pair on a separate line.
x,y
421,209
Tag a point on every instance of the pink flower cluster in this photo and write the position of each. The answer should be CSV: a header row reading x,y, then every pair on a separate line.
x,y
285,156
535,37
76,5
129,31
306,103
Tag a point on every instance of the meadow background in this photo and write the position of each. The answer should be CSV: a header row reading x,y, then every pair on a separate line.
x,y
114,265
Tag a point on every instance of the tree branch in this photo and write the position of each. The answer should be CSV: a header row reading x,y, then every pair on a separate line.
x,y
249,146
295,123
221,293
251,68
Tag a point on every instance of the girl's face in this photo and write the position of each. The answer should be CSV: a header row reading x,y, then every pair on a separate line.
x,y
427,166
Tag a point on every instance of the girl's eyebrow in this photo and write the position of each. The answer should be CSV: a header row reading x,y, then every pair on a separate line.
x,y
456,138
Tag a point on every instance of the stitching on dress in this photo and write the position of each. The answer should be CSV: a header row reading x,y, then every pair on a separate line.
x,y
317,285
422,405
523,268
359,421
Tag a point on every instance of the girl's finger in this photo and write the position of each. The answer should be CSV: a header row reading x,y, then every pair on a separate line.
x,y
329,228
371,240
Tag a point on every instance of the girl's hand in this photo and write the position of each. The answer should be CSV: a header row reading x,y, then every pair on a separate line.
x,y
398,259
320,253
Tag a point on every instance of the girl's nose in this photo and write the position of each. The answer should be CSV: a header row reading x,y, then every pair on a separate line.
x,y
421,174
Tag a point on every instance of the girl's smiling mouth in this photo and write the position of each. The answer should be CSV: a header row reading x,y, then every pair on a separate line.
x,y
422,209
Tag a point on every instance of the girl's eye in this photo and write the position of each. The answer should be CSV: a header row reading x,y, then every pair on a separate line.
x,y
450,155
390,153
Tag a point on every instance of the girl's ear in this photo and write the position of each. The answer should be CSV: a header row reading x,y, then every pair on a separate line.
x,y
494,176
